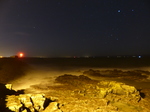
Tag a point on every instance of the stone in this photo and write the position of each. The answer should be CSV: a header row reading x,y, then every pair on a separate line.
x,y
117,91
8,86
25,110
25,99
13,103
32,102
38,101
103,92
52,107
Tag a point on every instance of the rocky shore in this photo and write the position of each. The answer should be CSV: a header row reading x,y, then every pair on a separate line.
x,y
80,94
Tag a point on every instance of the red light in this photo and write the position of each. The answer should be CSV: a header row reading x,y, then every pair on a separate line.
x,y
21,55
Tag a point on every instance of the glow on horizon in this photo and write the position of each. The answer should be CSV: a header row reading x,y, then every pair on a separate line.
x,y
21,54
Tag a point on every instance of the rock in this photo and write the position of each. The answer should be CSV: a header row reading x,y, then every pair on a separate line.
x,y
88,105
25,99
136,75
76,81
25,110
117,90
53,107
92,72
38,101
104,96
8,86
26,102
111,90
13,103
97,96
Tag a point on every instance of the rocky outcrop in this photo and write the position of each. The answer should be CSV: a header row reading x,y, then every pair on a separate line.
x,y
112,95
80,94
25,102
134,75
119,91
110,90
8,86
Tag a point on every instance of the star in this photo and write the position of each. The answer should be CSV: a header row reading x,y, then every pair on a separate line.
x,y
119,10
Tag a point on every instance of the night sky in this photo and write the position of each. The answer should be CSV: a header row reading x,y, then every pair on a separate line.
x,y
74,27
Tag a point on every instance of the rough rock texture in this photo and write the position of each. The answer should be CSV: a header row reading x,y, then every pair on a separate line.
x,y
8,86
81,94
120,91
85,95
25,102
136,75
86,105
103,89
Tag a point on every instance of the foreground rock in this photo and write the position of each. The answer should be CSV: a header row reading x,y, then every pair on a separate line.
x,y
26,102
81,94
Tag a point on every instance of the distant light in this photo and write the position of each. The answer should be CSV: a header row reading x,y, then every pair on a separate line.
x,y
87,56
1,56
139,56
118,56
119,10
21,55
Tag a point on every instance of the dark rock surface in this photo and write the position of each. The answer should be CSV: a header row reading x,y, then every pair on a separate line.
x,y
135,75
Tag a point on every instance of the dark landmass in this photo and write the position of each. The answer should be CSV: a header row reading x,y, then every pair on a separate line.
x,y
91,62
12,68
